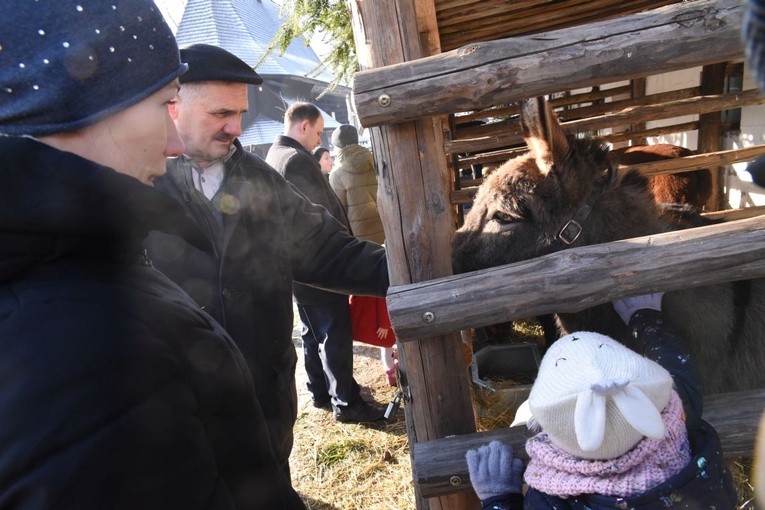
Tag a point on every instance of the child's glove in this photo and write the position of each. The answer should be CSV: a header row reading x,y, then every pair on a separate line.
x,y
627,307
494,471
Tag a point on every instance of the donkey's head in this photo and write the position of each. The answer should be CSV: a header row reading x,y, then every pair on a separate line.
x,y
563,192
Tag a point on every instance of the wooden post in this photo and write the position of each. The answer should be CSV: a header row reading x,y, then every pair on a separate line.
x,y
710,131
417,216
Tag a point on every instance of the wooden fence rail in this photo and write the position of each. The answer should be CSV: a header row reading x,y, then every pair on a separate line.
x,y
579,278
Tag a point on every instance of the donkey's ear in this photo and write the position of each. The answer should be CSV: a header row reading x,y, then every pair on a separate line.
x,y
545,137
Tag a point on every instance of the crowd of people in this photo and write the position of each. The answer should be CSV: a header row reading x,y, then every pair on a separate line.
x,y
147,270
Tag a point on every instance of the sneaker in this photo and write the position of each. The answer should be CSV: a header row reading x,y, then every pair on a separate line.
x,y
358,412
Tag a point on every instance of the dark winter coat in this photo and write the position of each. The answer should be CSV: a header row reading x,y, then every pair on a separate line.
x,y
299,167
116,390
270,235
354,181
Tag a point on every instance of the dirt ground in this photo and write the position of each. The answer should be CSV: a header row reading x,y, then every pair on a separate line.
x,y
349,466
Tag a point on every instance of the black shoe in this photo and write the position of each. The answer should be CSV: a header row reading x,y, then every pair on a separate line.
x,y
357,412
322,402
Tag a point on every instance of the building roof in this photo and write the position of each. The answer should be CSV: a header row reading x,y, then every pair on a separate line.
x,y
261,131
246,28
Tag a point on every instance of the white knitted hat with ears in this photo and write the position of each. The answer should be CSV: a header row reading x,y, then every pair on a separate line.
x,y
597,399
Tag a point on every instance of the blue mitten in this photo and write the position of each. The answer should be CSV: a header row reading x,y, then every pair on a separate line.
x,y
627,307
494,471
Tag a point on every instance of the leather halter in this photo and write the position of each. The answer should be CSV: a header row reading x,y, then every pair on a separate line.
x,y
573,227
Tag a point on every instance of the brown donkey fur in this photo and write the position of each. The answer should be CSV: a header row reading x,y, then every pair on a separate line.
x,y
520,209
692,188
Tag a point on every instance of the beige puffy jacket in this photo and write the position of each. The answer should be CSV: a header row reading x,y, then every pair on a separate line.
x,y
355,183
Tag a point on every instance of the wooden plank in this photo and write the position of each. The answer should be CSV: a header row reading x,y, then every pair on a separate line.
x,y
494,24
698,161
736,214
710,132
667,166
594,275
556,102
636,136
413,203
441,463
671,38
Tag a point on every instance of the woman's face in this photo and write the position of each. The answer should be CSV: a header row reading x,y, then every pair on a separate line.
x,y
326,163
136,140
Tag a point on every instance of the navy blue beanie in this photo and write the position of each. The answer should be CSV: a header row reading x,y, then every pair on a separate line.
x,y
754,40
65,64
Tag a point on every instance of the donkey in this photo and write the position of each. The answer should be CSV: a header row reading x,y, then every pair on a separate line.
x,y
523,209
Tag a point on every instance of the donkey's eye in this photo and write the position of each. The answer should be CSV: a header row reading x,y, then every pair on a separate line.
x,y
503,217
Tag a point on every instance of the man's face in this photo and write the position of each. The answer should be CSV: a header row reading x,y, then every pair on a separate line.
x,y
209,118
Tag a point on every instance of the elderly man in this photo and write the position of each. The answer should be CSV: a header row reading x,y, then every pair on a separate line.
x,y
327,334
265,235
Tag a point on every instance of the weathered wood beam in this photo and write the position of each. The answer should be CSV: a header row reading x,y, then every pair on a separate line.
x,y
498,72
593,275
442,468
418,222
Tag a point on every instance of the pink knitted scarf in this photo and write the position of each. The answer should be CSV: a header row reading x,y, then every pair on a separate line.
x,y
651,462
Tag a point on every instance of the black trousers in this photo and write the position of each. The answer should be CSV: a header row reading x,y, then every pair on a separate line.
x,y
328,351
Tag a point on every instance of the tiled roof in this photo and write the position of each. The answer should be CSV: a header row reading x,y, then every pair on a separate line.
x,y
245,28
262,131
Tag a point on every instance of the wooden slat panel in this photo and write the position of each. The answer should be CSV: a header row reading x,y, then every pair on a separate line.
x,y
488,28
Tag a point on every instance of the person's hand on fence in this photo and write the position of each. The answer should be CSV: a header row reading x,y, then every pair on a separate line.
x,y
626,307
494,471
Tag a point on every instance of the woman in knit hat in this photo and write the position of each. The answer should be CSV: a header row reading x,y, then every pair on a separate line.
x,y
116,390
618,429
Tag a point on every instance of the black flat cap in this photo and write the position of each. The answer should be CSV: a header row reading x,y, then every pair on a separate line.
x,y
210,63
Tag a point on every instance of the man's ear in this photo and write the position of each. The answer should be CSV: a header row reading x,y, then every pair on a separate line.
x,y
305,126
171,107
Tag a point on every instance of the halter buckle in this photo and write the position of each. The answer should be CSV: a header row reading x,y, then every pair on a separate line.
x,y
564,236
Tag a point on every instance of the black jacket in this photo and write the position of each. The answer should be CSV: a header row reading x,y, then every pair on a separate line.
x,y
301,169
271,234
116,390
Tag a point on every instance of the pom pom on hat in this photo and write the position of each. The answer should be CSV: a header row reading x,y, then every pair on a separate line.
x,y
596,399
344,136
66,64
211,63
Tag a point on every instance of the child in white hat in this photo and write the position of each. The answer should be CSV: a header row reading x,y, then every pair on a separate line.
x,y
618,429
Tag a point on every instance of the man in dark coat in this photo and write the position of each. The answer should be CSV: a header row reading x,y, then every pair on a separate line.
x,y
326,316
116,390
265,234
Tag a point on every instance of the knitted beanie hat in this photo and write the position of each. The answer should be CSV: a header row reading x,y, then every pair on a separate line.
x,y
65,64
596,399
345,135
